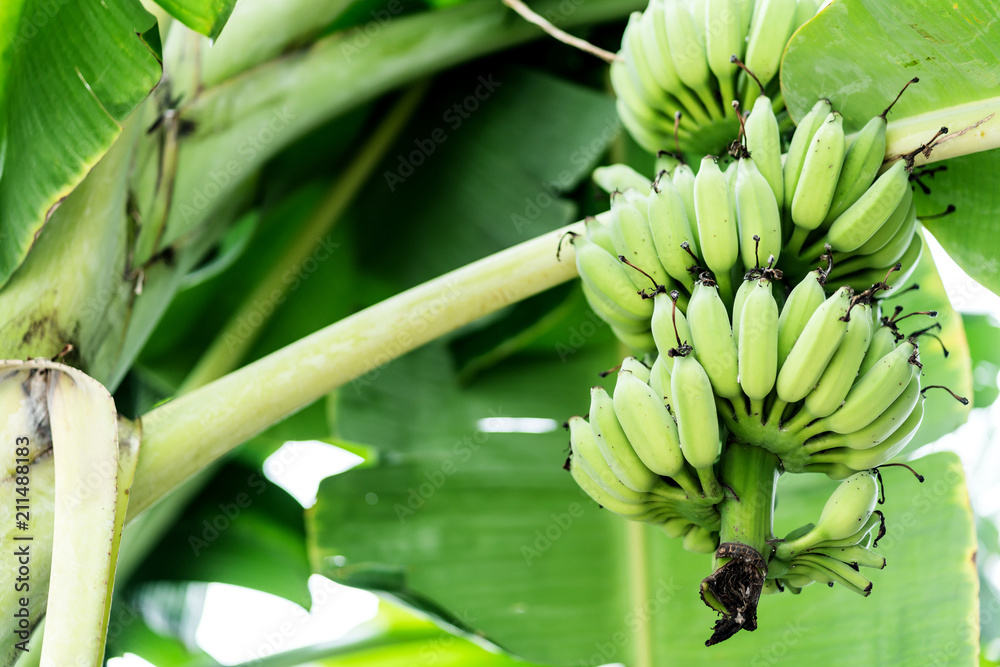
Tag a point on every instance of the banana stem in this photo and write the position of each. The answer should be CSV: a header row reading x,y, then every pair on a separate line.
x,y
710,486
234,408
749,472
799,236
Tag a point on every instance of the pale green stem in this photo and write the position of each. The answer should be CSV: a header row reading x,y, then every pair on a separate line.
x,y
243,329
972,127
184,435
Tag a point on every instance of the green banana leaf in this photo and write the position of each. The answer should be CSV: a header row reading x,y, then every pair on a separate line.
x,y
486,531
982,332
208,17
859,53
70,74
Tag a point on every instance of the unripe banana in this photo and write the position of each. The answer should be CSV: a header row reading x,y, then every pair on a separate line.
x,y
638,67
814,348
659,381
802,302
746,286
864,459
859,222
616,316
764,141
683,179
853,555
614,444
828,570
697,419
718,236
634,511
758,215
805,10
651,430
891,252
657,45
801,141
758,347
662,325
874,433
701,540
874,392
883,342
897,219
632,118
909,262
676,527
847,511
636,368
861,164
773,22
820,171
585,453
712,338
643,342
688,53
863,537
633,240
670,228
722,41
599,233
605,275
620,177
840,373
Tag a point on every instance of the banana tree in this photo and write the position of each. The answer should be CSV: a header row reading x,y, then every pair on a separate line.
x,y
262,222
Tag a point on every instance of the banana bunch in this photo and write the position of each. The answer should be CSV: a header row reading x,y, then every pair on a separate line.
x,y
833,550
838,198
676,75
639,459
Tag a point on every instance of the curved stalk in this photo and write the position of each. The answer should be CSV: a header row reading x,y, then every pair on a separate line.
x,y
972,128
184,435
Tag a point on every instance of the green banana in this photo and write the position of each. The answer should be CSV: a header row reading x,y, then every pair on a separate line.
x,y
758,215
615,446
670,228
853,555
772,24
643,342
840,373
688,54
585,453
723,40
619,178
651,430
820,171
805,10
763,139
636,368
638,67
665,316
859,222
606,276
639,129
746,286
899,217
874,433
657,45
892,251
836,571
683,179
846,511
864,536
676,527
861,164
864,459
613,314
635,511
908,262
758,342
659,381
814,348
701,540
697,420
883,342
633,240
718,236
712,339
599,233
802,302
797,150
875,391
